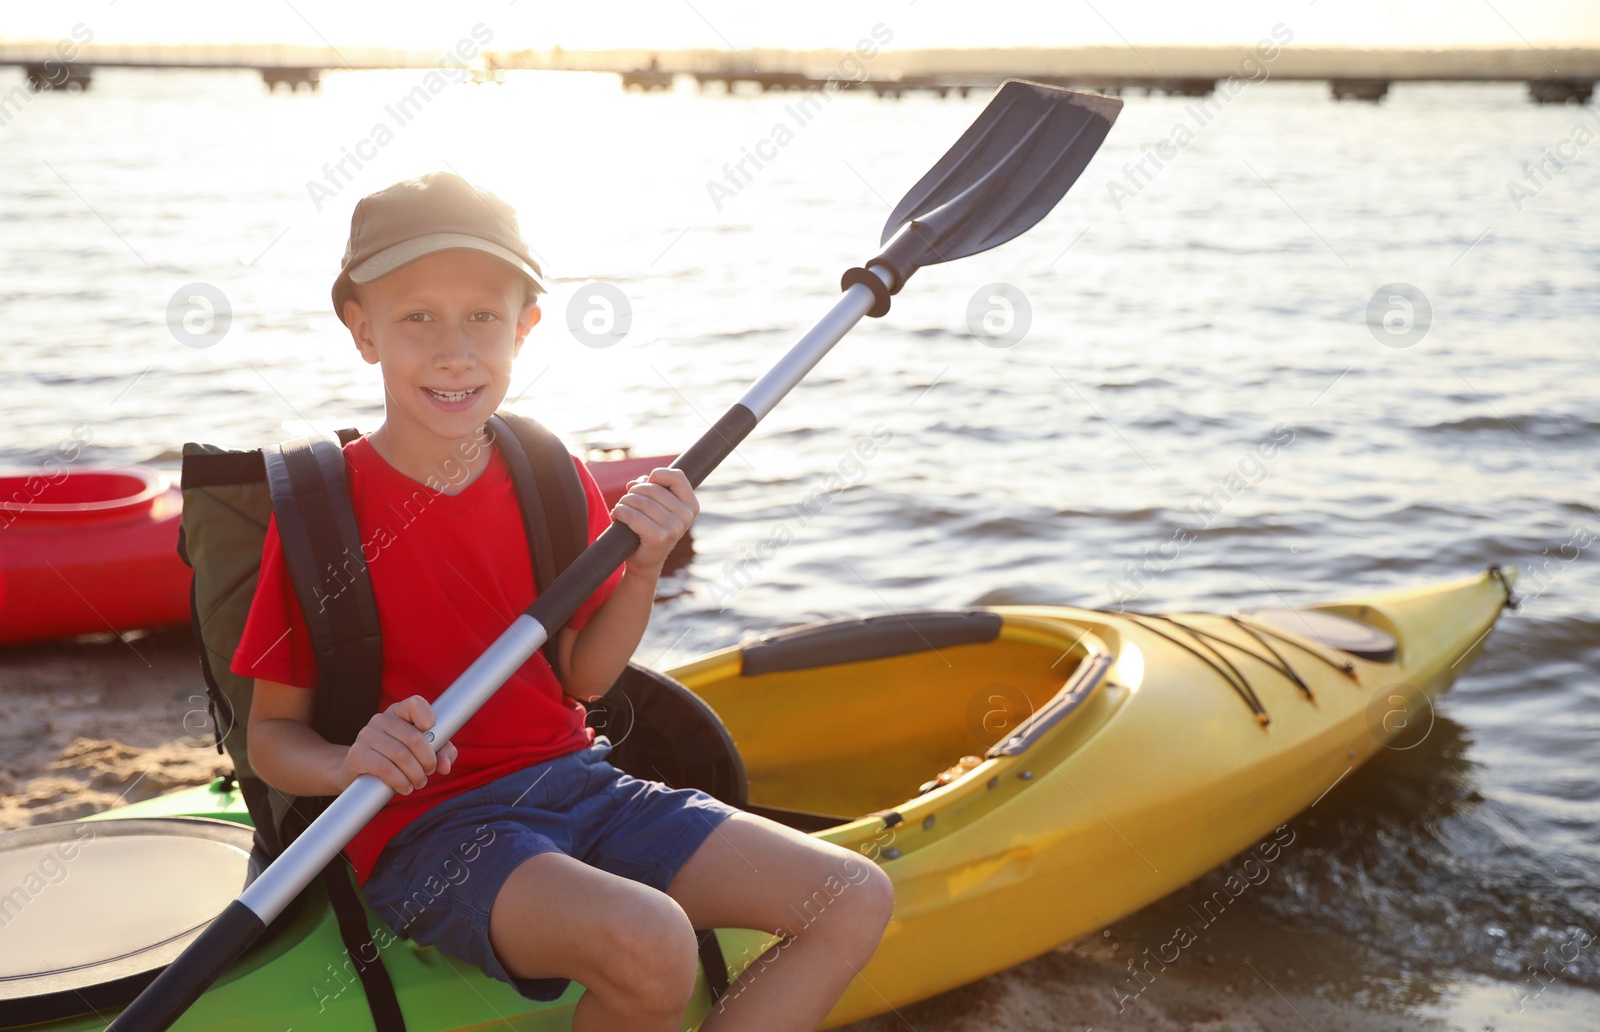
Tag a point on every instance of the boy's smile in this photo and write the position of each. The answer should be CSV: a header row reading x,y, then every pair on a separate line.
x,y
453,400
444,330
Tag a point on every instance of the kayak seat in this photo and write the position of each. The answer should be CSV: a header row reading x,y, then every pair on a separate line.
x,y
856,640
661,731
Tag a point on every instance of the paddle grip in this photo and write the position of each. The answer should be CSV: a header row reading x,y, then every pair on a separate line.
x,y
716,444
555,606
164,1000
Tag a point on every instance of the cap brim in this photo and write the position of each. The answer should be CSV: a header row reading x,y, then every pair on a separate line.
x,y
406,252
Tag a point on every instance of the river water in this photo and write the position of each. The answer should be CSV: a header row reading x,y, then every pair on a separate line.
x,y
1175,323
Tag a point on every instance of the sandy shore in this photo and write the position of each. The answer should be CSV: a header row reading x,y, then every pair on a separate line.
x,y
93,725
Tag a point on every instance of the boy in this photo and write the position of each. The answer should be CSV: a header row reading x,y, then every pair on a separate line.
x,y
519,848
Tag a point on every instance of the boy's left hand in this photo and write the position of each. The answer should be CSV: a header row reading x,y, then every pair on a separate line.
x,y
658,508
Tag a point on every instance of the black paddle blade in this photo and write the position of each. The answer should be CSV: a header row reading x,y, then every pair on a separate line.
x,y
1010,167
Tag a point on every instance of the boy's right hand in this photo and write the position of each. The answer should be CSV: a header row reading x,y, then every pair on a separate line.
x,y
392,747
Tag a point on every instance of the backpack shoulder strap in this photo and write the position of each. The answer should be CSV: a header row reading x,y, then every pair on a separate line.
x,y
555,510
322,549
545,477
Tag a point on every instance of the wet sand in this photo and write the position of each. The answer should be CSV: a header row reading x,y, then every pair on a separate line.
x,y
98,724
1075,989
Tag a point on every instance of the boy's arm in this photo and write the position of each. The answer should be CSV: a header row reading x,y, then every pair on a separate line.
x,y
594,657
292,757
658,508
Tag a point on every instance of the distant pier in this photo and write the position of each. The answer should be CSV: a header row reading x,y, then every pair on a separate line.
x,y
729,79
1357,75
1552,77
64,67
1540,91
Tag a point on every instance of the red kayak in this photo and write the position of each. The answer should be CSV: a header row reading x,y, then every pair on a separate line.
x,y
89,550
96,550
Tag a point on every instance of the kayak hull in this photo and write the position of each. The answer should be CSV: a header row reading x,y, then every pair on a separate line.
x,y
89,551
1117,823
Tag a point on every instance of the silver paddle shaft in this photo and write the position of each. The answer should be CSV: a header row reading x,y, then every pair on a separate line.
x,y
278,885
764,395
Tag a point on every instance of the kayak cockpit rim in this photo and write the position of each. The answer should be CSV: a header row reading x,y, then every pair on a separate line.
x,y
1079,656
1007,765
1089,675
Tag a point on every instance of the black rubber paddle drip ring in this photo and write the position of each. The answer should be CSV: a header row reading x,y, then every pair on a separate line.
x,y
869,279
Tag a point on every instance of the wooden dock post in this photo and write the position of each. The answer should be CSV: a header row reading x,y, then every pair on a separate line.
x,y
1372,90
1560,91
58,75
293,78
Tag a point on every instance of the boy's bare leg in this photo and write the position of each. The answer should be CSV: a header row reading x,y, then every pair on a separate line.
x,y
829,903
630,946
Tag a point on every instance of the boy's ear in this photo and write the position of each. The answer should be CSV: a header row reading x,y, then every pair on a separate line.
x,y
355,317
525,323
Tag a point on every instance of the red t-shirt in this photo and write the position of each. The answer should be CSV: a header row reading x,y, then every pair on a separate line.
x,y
450,573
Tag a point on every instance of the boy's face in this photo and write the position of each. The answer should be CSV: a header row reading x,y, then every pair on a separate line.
x,y
444,330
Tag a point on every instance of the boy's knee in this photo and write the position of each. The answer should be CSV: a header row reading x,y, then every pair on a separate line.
x,y
852,902
854,921
881,894
875,903
648,956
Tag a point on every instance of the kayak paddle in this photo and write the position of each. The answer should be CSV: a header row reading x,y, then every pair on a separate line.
x,y
1005,173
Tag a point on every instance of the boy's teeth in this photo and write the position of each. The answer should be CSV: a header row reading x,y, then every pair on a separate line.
x,y
452,395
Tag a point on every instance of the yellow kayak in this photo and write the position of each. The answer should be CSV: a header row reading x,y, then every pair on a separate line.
x,y
1152,749
1025,774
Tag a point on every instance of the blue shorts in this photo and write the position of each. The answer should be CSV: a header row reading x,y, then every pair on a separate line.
x,y
437,879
